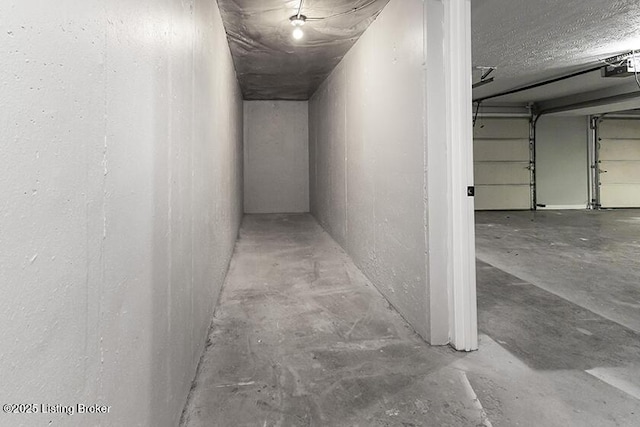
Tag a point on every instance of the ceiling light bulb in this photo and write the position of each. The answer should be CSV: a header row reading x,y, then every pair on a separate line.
x,y
298,33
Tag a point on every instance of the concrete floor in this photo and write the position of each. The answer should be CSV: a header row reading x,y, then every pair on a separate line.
x,y
591,258
301,338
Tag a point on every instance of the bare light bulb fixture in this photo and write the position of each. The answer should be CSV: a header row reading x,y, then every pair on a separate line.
x,y
298,21
298,33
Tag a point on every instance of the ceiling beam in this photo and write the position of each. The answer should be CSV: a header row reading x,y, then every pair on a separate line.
x,y
601,97
538,84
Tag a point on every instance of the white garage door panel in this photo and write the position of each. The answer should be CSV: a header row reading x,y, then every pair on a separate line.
x,y
502,173
620,129
500,150
620,149
493,128
619,155
501,162
620,172
620,195
502,197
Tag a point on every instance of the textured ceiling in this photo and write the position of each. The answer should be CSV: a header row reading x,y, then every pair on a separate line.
x,y
527,40
532,40
270,64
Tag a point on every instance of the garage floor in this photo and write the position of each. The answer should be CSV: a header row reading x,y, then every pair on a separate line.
x,y
301,338
591,258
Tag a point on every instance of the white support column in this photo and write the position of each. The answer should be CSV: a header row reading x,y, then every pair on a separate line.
x,y
437,155
449,159
462,286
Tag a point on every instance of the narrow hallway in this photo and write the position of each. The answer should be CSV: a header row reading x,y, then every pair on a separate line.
x,y
263,213
300,337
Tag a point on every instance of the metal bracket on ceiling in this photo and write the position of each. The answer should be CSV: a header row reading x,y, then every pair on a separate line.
x,y
486,71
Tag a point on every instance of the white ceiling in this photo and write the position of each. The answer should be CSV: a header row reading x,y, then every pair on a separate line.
x,y
533,40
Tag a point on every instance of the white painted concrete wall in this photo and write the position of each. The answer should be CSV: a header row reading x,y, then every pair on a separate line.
x,y
276,156
367,158
562,163
121,175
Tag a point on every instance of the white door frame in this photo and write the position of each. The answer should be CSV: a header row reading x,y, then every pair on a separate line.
x,y
451,234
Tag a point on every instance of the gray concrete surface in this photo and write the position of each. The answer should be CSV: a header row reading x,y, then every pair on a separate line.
x,y
367,160
591,258
562,161
276,157
302,338
121,178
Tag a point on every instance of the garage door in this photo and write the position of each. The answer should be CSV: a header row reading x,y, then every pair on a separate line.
x,y
501,164
619,161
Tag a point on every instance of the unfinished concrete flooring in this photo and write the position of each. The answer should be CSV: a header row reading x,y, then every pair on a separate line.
x,y
301,338
591,258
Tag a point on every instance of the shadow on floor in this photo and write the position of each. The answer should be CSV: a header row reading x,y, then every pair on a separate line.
x,y
546,331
